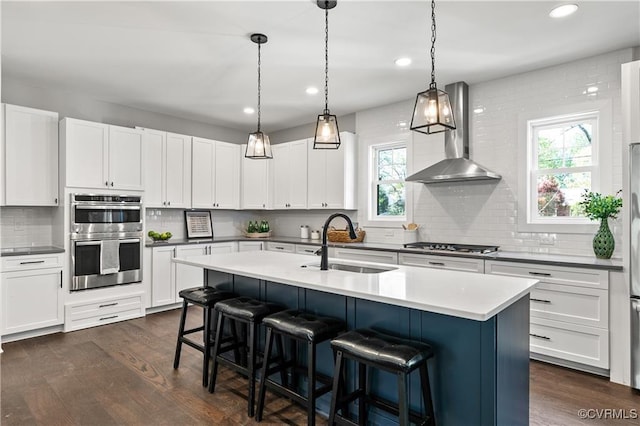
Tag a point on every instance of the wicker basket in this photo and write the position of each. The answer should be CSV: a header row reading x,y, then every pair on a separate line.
x,y
342,236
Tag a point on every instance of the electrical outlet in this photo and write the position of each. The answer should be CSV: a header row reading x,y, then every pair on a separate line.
x,y
547,239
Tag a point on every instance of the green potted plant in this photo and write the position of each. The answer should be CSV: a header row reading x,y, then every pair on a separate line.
x,y
599,207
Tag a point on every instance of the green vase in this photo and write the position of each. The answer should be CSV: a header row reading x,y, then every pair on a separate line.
x,y
603,242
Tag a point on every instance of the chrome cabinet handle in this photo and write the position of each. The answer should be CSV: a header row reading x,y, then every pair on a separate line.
x,y
107,318
436,263
539,336
106,183
108,304
111,183
168,203
55,201
539,300
540,274
31,262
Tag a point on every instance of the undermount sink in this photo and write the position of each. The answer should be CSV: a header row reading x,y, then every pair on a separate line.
x,y
359,269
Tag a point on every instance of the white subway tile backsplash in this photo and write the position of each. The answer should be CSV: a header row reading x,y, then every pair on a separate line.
x,y
26,227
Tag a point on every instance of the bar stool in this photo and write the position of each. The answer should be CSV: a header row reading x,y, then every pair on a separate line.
x,y
389,353
249,312
299,327
206,298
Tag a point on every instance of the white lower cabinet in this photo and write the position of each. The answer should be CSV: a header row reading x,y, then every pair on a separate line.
x,y
307,249
250,245
569,311
32,295
364,255
168,278
442,262
97,312
283,247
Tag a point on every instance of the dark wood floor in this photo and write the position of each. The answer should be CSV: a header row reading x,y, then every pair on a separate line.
x,y
122,374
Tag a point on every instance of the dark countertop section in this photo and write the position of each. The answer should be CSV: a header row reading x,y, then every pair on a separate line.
x,y
26,251
538,258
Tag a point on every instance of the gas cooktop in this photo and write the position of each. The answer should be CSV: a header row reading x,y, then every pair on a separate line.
x,y
454,248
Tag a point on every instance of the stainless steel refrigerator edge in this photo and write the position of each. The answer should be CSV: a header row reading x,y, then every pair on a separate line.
x,y
634,210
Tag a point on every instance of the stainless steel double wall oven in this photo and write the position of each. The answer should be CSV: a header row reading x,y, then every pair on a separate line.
x,y
106,240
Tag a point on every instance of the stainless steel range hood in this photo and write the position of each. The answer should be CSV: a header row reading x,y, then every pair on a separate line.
x,y
457,167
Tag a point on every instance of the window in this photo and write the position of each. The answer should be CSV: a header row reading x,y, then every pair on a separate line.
x,y
562,161
388,193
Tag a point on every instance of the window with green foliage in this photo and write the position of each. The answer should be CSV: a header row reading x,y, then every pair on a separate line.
x,y
388,193
562,162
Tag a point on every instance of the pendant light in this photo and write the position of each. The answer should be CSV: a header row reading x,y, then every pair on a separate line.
x,y
258,145
432,112
327,133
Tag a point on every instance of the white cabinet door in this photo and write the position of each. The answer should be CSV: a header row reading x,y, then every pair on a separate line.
x,y
280,176
177,169
87,146
442,262
332,175
289,181
125,159
255,183
30,157
31,300
377,256
228,247
188,276
227,176
154,142
202,172
163,276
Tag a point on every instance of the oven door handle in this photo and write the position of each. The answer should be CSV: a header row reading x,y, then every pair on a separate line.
x,y
108,207
88,243
129,241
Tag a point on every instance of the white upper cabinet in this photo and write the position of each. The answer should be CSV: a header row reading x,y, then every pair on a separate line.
x,y
332,175
255,182
289,177
215,174
30,145
102,156
167,159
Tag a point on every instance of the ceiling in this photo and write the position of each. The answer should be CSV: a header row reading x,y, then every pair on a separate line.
x,y
194,59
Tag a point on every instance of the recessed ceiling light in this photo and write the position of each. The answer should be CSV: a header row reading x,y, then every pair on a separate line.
x,y
564,10
311,90
249,110
478,110
592,89
403,62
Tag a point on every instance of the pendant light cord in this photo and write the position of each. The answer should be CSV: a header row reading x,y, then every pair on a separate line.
x,y
326,57
433,45
259,85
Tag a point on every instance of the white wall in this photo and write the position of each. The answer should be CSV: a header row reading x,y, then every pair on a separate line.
x,y
486,213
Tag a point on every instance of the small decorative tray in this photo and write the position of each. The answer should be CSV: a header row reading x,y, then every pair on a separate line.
x,y
257,234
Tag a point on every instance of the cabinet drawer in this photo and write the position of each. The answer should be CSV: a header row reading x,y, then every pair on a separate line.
x,y
102,319
366,255
306,249
284,247
250,245
577,305
551,274
104,311
23,263
442,262
577,343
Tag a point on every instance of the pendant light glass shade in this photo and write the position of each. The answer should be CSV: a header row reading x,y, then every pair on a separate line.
x,y
258,144
327,134
432,112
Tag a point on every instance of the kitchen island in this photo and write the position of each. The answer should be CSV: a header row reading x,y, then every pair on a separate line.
x,y
478,324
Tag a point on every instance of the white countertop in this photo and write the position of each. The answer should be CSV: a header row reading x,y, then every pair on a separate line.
x,y
460,294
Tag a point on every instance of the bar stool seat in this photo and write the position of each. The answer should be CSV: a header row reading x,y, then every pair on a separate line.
x,y
206,298
372,349
249,312
384,350
299,326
